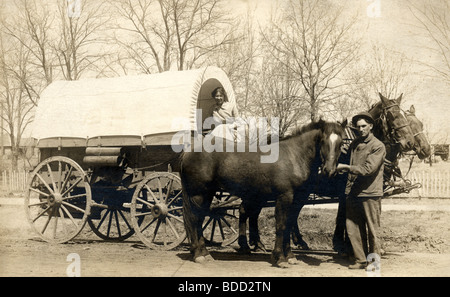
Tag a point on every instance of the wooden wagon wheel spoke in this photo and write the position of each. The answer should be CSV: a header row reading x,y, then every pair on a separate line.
x,y
173,199
66,180
169,189
57,191
50,173
161,225
40,214
148,225
151,193
172,227
69,215
160,190
45,183
112,224
39,192
221,225
63,223
145,202
104,216
72,186
125,219
74,196
176,218
74,207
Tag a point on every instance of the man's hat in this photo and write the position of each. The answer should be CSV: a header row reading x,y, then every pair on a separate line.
x,y
363,115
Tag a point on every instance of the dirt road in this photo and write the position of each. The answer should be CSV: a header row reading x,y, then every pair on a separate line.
x,y
23,254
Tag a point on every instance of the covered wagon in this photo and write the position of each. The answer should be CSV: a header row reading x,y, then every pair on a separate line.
x,y
107,155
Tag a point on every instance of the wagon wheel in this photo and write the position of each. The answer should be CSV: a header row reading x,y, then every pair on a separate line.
x,y
156,211
58,199
221,227
113,223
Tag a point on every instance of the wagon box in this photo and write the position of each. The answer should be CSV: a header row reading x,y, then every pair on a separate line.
x,y
106,154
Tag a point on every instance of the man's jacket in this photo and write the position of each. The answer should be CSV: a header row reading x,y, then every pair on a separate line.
x,y
365,178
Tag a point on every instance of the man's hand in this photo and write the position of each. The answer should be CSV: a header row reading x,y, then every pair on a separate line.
x,y
342,167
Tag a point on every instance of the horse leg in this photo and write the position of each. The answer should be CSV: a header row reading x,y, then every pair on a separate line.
x,y
341,243
194,214
282,230
292,223
295,232
255,239
242,239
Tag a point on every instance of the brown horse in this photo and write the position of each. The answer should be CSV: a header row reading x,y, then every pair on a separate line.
x,y
242,174
421,145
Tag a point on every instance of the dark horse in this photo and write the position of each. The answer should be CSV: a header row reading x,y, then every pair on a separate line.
x,y
391,127
242,174
421,145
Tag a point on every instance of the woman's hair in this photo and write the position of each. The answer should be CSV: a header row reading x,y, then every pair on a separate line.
x,y
221,90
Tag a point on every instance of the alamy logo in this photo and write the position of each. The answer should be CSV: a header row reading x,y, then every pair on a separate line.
x,y
73,8
236,135
374,9
74,268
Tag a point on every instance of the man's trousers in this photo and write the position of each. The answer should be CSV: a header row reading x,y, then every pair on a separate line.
x,y
363,226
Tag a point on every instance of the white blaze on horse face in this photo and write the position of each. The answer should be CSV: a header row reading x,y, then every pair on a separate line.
x,y
333,139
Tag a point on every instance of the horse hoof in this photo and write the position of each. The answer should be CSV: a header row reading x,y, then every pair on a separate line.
x,y
293,261
204,259
260,248
283,265
200,260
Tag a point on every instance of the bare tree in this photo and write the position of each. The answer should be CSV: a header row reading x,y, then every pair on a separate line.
x,y
278,94
30,26
389,72
239,59
434,21
320,44
78,43
169,33
39,42
381,70
15,101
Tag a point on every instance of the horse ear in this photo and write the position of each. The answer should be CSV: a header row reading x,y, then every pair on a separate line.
x,y
384,100
399,99
344,123
412,109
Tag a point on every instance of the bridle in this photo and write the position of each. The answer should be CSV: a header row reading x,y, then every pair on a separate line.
x,y
393,128
418,133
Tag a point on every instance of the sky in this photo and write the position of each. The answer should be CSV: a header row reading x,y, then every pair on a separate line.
x,y
391,23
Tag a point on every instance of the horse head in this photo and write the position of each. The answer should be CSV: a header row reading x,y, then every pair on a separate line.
x,y
399,129
331,138
421,145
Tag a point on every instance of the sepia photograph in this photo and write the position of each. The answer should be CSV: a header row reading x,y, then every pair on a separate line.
x,y
223,145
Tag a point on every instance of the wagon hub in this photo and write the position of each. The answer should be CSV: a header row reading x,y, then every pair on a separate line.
x,y
55,199
160,211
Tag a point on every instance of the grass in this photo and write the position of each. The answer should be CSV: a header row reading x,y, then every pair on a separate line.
x,y
401,231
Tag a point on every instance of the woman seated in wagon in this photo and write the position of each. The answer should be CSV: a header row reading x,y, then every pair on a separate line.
x,y
230,126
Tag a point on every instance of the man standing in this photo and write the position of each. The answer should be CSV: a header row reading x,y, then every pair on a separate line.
x,y
364,190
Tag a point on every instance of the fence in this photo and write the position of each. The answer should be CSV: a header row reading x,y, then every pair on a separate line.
x,y
435,184
14,181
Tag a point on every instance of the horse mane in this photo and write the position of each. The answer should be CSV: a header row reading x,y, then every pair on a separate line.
x,y
318,125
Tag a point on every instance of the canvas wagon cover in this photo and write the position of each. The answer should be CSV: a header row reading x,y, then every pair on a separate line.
x,y
130,105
